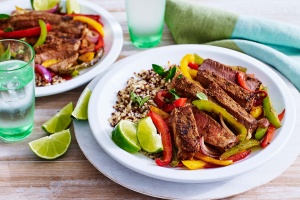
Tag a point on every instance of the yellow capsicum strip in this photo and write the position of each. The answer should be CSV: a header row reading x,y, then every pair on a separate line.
x,y
194,164
184,65
213,160
160,112
91,22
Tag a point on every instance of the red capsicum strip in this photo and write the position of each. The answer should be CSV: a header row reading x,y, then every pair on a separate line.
x,y
270,132
239,156
242,81
95,17
177,103
100,43
193,65
31,32
160,97
166,139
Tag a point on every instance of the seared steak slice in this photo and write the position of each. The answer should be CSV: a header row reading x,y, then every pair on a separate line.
x,y
185,134
213,133
237,93
186,88
64,66
228,73
30,19
59,50
72,27
218,95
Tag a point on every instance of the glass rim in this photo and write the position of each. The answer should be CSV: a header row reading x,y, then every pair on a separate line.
x,y
28,62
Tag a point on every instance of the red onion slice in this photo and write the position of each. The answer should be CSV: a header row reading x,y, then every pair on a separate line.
x,y
92,36
53,9
223,123
45,73
208,151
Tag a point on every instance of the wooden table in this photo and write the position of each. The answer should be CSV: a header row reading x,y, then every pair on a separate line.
x,y
25,176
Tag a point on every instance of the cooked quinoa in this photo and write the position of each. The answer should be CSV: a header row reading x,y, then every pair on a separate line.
x,y
39,81
143,84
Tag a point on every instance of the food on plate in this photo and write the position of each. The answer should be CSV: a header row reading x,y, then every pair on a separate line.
x,y
64,43
206,114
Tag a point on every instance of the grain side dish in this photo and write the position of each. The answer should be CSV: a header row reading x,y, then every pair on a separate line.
x,y
144,84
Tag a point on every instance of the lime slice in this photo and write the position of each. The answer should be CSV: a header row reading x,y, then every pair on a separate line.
x,y
147,135
60,121
124,135
53,146
81,110
43,5
72,7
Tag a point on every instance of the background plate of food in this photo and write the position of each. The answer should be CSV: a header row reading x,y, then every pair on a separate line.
x,y
217,152
75,49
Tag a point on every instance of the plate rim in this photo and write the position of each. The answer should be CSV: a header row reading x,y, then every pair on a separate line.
x,y
182,173
100,67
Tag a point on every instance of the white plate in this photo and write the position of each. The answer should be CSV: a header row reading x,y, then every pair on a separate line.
x,y
113,40
104,97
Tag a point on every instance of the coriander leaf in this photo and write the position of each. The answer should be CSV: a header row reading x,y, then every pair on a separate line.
x,y
201,96
173,92
139,100
179,76
158,69
170,73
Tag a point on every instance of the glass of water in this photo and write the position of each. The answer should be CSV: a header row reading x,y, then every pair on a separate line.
x,y
145,21
17,86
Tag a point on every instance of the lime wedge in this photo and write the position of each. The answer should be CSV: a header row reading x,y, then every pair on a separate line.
x,y
124,135
147,135
72,7
81,109
43,5
60,121
53,146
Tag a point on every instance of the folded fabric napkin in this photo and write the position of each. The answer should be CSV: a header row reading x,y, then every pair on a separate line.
x,y
275,43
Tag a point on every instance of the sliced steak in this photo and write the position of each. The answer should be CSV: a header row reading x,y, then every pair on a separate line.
x,y
64,66
219,95
213,133
185,134
237,93
228,73
186,88
29,20
72,27
58,49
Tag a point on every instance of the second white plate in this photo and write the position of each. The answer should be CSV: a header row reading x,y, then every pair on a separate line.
x,y
113,41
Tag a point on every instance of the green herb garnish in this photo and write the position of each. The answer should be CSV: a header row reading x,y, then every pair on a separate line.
x,y
8,29
138,99
201,96
158,69
169,74
4,16
6,55
179,76
173,92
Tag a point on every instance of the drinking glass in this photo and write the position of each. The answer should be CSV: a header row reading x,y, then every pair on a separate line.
x,y
145,21
17,86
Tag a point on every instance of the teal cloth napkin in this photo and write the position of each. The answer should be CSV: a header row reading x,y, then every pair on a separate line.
x,y
275,43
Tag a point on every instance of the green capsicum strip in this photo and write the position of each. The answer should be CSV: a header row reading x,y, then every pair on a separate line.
x,y
260,132
209,106
43,34
270,112
4,16
246,144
